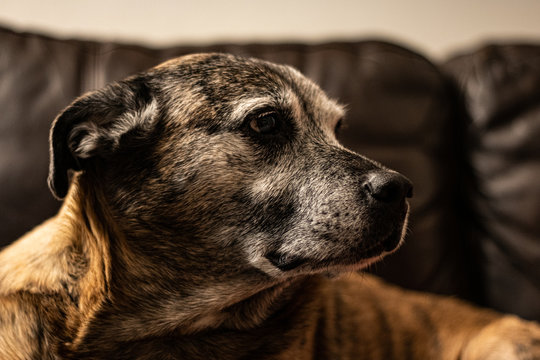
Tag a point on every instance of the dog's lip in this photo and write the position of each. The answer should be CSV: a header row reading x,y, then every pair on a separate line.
x,y
287,262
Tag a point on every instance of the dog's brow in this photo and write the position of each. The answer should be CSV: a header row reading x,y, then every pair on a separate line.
x,y
247,105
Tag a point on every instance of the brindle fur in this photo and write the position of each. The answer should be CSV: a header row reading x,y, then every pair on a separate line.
x,y
187,234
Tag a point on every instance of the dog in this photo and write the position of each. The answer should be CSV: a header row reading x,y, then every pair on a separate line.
x,y
208,213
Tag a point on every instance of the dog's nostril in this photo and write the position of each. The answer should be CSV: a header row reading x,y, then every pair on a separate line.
x,y
388,186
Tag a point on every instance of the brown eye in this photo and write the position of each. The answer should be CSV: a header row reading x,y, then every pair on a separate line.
x,y
264,124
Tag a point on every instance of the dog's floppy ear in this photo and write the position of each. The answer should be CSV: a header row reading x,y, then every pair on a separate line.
x,y
94,124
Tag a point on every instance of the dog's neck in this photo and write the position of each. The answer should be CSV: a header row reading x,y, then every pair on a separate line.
x,y
123,306
75,256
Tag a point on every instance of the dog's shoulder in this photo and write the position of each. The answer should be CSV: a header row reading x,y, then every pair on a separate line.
x,y
37,262
36,292
29,325
18,323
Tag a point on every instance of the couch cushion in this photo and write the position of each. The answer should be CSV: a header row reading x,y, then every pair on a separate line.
x,y
501,89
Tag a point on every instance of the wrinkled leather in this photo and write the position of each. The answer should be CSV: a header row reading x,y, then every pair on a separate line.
x,y
402,111
501,94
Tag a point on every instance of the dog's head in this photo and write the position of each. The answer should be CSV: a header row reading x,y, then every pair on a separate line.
x,y
220,166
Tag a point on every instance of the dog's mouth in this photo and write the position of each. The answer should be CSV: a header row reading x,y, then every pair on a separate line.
x,y
359,255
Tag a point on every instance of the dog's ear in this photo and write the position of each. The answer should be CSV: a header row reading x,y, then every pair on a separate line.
x,y
94,124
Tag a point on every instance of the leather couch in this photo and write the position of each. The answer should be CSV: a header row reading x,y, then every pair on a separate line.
x,y
466,131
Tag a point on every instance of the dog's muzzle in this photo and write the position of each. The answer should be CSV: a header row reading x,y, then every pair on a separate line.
x,y
385,191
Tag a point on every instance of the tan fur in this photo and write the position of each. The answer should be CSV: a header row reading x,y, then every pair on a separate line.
x,y
60,254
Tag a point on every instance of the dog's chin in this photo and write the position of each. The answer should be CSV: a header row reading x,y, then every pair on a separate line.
x,y
353,259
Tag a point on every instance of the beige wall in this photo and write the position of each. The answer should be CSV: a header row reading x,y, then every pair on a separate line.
x,y
435,27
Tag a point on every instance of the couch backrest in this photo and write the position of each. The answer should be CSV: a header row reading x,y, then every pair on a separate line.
x,y
500,86
474,229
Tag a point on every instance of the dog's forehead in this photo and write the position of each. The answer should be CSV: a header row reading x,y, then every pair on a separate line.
x,y
226,69
237,86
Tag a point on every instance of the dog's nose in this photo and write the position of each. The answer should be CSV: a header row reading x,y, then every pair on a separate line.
x,y
389,187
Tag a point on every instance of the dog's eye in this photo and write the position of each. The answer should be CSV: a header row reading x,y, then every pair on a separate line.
x,y
265,123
